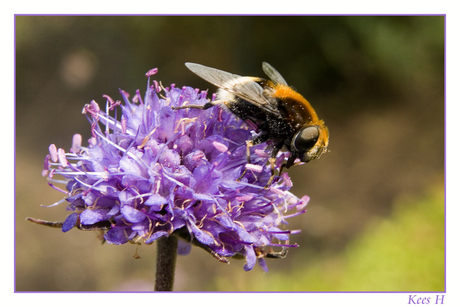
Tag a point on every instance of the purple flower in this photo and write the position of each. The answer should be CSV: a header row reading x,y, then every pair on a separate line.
x,y
152,171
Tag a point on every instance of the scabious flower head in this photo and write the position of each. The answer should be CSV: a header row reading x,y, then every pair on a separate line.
x,y
153,171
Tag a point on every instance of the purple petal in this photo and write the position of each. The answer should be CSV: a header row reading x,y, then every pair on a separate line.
x,y
92,216
156,200
114,211
250,258
263,264
132,215
201,236
183,248
116,236
70,222
244,235
156,235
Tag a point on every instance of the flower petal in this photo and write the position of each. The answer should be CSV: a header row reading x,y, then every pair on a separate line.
x,y
92,216
70,222
132,215
116,236
250,258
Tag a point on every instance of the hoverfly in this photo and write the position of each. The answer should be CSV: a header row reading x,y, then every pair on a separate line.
x,y
277,111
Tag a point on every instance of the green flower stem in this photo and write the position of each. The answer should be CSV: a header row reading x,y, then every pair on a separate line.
x,y
166,263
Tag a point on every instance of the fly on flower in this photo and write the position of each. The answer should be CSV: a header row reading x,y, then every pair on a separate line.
x,y
273,108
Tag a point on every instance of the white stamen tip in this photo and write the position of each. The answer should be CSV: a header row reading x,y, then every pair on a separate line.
x,y
151,72
76,143
244,198
262,153
254,167
219,146
53,152
61,157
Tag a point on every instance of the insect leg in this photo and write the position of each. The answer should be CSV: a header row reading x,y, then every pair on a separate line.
x,y
260,253
272,167
249,144
277,255
272,161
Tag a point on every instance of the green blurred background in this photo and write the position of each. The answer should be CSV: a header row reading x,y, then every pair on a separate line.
x,y
375,221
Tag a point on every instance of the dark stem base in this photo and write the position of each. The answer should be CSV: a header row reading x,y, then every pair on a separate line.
x,y
166,263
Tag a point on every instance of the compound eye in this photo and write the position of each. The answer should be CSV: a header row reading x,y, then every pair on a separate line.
x,y
306,138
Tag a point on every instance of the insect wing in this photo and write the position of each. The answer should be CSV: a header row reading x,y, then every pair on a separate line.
x,y
273,74
243,87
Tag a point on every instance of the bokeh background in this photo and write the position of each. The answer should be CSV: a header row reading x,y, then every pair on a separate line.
x,y
375,221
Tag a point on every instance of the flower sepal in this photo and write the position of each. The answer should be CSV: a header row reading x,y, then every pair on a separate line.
x,y
104,225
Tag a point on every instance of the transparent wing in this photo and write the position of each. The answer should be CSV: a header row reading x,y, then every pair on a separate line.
x,y
273,74
243,87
